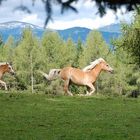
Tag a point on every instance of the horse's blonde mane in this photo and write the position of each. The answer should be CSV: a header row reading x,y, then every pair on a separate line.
x,y
93,64
3,63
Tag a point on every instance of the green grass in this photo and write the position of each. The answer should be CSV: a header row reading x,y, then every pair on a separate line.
x,y
40,117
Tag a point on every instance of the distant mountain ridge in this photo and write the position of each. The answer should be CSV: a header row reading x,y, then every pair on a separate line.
x,y
75,33
15,28
79,32
15,24
116,28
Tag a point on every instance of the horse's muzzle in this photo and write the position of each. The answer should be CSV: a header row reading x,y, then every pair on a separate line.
x,y
13,73
111,71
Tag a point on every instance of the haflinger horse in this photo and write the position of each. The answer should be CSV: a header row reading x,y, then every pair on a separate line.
x,y
5,67
86,76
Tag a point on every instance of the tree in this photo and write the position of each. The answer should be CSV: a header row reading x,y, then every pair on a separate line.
x,y
118,83
53,48
26,59
129,44
1,41
56,54
95,47
79,51
70,53
130,39
7,50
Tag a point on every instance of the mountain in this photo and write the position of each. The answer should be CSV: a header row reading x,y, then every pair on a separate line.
x,y
80,32
75,33
15,28
113,28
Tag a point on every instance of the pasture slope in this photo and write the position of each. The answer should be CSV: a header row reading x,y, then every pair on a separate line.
x,y
42,117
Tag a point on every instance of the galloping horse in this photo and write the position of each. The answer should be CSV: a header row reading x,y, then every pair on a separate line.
x,y
86,77
5,67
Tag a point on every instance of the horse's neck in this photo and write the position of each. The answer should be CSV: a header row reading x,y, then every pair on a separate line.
x,y
1,74
96,71
2,71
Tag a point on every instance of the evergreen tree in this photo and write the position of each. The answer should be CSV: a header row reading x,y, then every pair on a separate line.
x,y
7,51
79,51
52,46
130,39
129,42
1,41
26,59
95,47
70,53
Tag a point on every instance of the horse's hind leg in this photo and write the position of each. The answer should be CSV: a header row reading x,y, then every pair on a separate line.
x,y
66,87
88,90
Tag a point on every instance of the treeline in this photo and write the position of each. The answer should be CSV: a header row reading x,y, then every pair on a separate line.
x,y
31,54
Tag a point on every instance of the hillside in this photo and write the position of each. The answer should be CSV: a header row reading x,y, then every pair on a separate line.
x,y
15,28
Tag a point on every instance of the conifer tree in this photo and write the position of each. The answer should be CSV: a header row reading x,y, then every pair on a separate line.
x,y
95,47
26,59
79,51
130,39
1,41
6,50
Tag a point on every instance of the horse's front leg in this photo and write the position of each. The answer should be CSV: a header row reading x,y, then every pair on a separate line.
x,y
66,87
92,89
3,84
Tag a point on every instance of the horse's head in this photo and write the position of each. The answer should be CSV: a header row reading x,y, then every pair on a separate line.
x,y
9,69
98,62
106,67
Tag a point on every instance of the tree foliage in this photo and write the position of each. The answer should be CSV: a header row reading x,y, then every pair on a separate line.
x,y
31,54
129,44
130,39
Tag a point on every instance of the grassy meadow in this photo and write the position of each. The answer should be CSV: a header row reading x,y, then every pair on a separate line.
x,y
42,117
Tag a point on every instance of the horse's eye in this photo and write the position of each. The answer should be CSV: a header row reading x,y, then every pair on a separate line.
x,y
107,65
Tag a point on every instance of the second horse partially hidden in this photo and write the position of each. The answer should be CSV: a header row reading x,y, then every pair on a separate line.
x,y
5,67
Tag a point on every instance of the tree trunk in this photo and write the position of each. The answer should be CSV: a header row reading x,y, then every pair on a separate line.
x,y
32,78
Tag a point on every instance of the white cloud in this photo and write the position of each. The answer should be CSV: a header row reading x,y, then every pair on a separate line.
x,y
84,4
33,19
92,23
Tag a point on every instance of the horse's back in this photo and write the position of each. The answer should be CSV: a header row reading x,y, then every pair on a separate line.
x,y
65,72
73,74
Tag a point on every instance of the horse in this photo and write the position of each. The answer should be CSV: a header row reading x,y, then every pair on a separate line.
x,y
84,77
5,67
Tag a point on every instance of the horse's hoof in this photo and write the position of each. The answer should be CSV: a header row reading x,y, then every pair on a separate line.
x,y
88,95
80,94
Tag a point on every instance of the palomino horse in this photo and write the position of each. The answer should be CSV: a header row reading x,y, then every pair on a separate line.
x,y
5,67
86,77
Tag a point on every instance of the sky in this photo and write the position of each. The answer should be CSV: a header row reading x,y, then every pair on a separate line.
x,y
86,17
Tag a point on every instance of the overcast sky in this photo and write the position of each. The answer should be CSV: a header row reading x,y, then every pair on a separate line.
x,y
86,16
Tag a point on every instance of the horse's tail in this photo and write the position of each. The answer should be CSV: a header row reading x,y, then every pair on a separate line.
x,y
53,74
